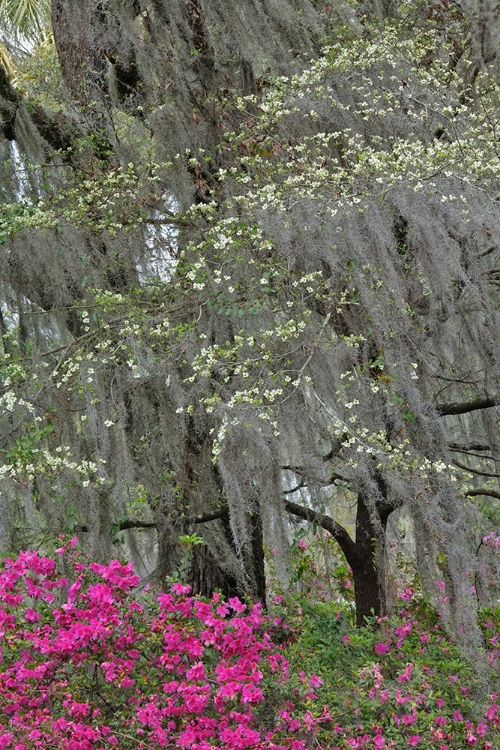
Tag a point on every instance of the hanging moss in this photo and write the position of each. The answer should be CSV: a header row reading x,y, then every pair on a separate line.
x,y
255,249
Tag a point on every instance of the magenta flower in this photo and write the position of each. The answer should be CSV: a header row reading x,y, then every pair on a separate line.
x,y
180,589
175,671
441,721
315,681
482,729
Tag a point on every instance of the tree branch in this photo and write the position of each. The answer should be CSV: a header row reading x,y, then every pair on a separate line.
x,y
460,448
483,491
300,471
206,517
133,524
464,407
475,471
339,533
122,526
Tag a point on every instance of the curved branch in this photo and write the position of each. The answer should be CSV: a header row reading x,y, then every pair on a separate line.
x,y
133,524
295,489
483,491
460,448
476,471
339,533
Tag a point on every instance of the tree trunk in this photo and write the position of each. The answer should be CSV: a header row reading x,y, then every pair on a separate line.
x,y
360,554
255,561
206,575
368,589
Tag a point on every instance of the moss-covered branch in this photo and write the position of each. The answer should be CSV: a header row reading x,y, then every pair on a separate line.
x,y
464,407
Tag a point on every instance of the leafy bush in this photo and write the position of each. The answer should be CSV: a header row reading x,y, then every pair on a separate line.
x,y
88,661
398,683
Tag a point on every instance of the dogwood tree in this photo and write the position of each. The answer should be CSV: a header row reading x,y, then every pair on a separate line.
x,y
250,273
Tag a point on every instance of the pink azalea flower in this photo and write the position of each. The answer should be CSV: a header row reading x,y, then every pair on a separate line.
x,y
236,605
315,681
482,729
491,712
180,589
31,616
405,676
441,721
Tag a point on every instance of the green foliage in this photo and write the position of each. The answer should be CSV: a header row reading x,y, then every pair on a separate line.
x,y
181,574
402,674
27,18
26,446
25,24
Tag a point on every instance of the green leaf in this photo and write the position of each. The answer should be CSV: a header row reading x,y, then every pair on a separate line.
x,y
410,416
398,399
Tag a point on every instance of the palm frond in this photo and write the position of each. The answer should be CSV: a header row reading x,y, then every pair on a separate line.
x,y
28,19
6,59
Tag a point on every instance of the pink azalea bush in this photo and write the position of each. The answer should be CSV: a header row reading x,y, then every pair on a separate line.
x,y
88,661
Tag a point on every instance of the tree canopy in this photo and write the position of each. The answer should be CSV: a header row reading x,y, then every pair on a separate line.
x,y
250,267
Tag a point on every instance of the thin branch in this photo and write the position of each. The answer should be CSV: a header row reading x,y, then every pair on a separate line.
x,y
298,379
306,363
462,381
295,489
476,471
461,448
